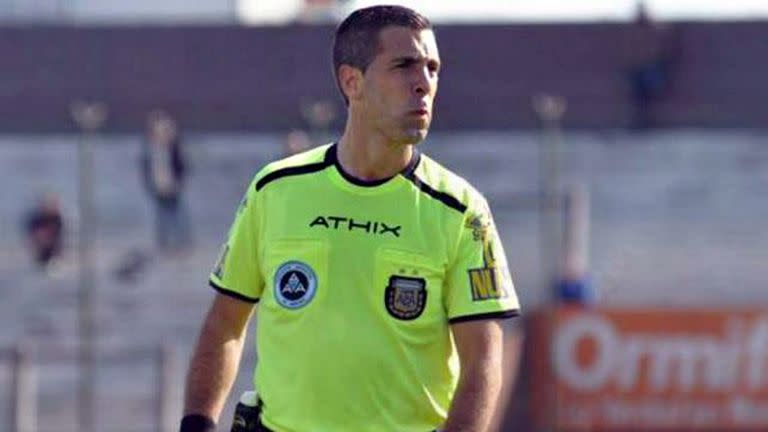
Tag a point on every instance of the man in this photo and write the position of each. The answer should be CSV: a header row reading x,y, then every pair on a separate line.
x,y
377,271
164,170
44,229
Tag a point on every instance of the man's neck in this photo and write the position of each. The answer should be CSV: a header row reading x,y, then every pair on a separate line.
x,y
371,157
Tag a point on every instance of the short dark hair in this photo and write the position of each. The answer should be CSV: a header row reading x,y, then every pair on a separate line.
x,y
356,42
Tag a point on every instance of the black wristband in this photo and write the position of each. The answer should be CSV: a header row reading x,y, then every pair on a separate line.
x,y
197,423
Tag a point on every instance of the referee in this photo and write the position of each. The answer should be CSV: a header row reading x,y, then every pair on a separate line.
x,y
378,274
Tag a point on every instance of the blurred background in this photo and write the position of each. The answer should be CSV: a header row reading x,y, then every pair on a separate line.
x,y
621,144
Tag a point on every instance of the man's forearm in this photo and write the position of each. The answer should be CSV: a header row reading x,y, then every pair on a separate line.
x,y
212,372
475,400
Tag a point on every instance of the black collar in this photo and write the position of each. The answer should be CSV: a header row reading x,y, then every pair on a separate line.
x,y
331,157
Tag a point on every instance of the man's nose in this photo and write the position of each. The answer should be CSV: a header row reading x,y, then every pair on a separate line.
x,y
423,82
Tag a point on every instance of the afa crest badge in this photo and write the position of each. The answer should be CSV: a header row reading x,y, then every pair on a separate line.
x,y
405,297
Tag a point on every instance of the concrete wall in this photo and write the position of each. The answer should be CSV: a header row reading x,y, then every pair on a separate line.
x,y
256,78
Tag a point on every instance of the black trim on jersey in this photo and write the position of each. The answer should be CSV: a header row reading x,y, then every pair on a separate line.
x,y
443,197
483,316
292,171
332,156
230,293
354,180
412,164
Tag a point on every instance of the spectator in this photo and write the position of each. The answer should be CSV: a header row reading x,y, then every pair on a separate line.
x,y
164,171
650,48
296,141
44,230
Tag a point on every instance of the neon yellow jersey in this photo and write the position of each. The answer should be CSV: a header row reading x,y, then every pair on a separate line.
x,y
357,285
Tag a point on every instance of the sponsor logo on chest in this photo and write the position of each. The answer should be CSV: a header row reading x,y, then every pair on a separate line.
x,y
341,223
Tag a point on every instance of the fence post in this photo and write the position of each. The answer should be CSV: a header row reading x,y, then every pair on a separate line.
x,y
168,389
24,394
550,109
89,117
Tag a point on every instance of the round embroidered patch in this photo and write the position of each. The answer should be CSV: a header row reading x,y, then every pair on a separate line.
x,y
295,284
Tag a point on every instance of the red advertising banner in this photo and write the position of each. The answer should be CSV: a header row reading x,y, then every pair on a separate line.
x,y
621,369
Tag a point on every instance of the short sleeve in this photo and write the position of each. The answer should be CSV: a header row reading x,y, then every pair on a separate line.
x,y
479,284
237,272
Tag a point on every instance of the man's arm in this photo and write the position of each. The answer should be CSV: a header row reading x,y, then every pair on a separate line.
x,y
217,356
510,365
480,345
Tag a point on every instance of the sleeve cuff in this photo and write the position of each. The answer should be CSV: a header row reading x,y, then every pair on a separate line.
x,y
511,313
227,292
197,423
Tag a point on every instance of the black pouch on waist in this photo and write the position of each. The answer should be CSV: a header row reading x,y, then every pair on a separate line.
x,y
247,419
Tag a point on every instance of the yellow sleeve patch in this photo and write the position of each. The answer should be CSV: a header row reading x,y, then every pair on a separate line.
x,y
484,283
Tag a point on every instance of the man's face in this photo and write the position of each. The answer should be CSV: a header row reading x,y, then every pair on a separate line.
x,y
400,84
163,129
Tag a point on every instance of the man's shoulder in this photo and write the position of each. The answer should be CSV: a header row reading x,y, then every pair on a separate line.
x,y
448,183
306,162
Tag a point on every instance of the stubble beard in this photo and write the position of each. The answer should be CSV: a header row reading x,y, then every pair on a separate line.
x,y
414,134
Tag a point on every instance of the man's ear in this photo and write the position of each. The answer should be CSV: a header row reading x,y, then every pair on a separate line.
x,y
351,81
